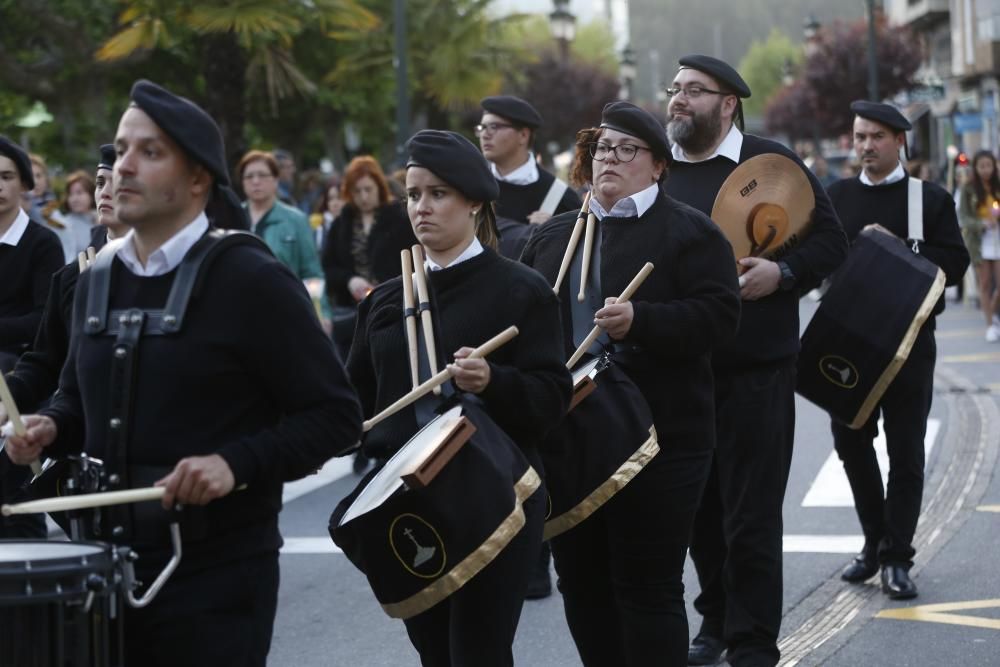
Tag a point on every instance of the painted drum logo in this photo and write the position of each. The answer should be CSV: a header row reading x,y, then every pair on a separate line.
x,y
839,371
417,546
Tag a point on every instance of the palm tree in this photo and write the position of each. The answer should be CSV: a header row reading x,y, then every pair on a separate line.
x,y
242,45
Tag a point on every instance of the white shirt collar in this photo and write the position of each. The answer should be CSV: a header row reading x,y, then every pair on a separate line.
x,y
526,174
168,256
16,230
474,249
626,207
897,174
730,148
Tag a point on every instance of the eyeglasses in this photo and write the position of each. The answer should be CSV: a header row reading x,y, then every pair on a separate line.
x,y
489,128
693,92
258,176
623,152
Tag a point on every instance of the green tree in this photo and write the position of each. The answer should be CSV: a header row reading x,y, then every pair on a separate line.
x,y
765,67
242,46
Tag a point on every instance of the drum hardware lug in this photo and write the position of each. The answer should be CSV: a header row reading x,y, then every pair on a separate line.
x,y
114,479
128,571
117,531
89,602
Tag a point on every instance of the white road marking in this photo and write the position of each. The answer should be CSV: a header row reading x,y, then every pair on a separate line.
x,y
333,470
310,545
831,488
823,544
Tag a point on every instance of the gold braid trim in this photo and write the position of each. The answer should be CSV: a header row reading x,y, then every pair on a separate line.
x,y
902,352
605,491
472,564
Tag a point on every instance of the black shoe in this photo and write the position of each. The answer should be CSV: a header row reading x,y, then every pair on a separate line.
x,y
860,569
896,583
705,650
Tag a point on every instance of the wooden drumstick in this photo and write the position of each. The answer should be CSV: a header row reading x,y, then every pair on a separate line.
x,y
84,501
425,310
15,418
409,307
588,248
625,296
574,239
82,260
423,389
91,255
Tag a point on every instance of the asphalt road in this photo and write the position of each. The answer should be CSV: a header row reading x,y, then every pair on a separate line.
x,y
328,616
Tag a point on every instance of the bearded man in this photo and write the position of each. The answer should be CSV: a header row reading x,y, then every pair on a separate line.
x,y
736,544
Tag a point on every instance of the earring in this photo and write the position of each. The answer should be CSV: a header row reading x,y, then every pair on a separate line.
x,y
473,212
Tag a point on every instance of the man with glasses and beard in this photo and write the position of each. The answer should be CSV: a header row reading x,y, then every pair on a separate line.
x,y
736,544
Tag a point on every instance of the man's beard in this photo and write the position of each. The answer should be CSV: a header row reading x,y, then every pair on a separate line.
x,y
698,132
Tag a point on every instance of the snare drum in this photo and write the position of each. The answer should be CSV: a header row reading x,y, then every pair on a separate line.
x,y
417,546
598,448
59,604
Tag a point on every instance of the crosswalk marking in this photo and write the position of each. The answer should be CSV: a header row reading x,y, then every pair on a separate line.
x,y
831,488
310,545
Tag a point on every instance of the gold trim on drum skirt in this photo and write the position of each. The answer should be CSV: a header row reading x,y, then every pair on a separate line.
x,y
602,494
474,563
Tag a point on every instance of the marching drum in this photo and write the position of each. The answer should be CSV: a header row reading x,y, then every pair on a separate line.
x,y
60,604
420,541
605,441
866,325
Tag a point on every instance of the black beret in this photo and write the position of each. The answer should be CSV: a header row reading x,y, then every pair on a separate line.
x,y
514,109
881,113
108,156
187,124
718,70
630,119
456,161
20,159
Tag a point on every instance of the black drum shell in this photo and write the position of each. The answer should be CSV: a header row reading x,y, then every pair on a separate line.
x,y
593,441
54,579
463,507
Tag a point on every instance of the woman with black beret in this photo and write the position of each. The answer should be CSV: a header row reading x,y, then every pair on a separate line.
x,y
620,570
523,386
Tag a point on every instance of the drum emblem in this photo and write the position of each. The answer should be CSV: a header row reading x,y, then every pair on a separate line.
x,y
839,371
417,546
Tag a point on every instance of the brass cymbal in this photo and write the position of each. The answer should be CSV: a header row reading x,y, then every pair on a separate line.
x,y
765,206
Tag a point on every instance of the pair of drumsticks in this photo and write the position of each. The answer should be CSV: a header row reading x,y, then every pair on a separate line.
x,y
588,248
413,263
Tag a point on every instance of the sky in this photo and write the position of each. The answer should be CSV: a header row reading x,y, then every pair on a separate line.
x,y
584,10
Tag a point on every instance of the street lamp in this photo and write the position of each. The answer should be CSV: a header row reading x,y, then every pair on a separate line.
x,y
810,33
627,71
563,25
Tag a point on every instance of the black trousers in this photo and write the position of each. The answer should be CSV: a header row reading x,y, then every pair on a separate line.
x,y
621,570
475,626
736,544
221,616
889,518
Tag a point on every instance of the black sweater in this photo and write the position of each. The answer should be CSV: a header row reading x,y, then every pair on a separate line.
x,y
687,307
250,377
859,205
25,272
529,386
517,202
769,327
36,375
390,234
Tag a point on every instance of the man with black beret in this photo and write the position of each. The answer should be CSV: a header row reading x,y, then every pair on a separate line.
x,y
201,367
880,197
737,540
29,255
528,193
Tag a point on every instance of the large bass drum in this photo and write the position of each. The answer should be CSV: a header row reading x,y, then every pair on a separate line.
x,y
598,448
60,604
417,546
866,325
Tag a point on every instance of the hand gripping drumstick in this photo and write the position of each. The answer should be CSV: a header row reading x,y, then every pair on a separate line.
x,y
574,239
422,390
425,310
15,418
625,296
411,315
588,250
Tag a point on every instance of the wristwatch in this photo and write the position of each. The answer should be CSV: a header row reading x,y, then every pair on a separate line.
x,y
787,281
